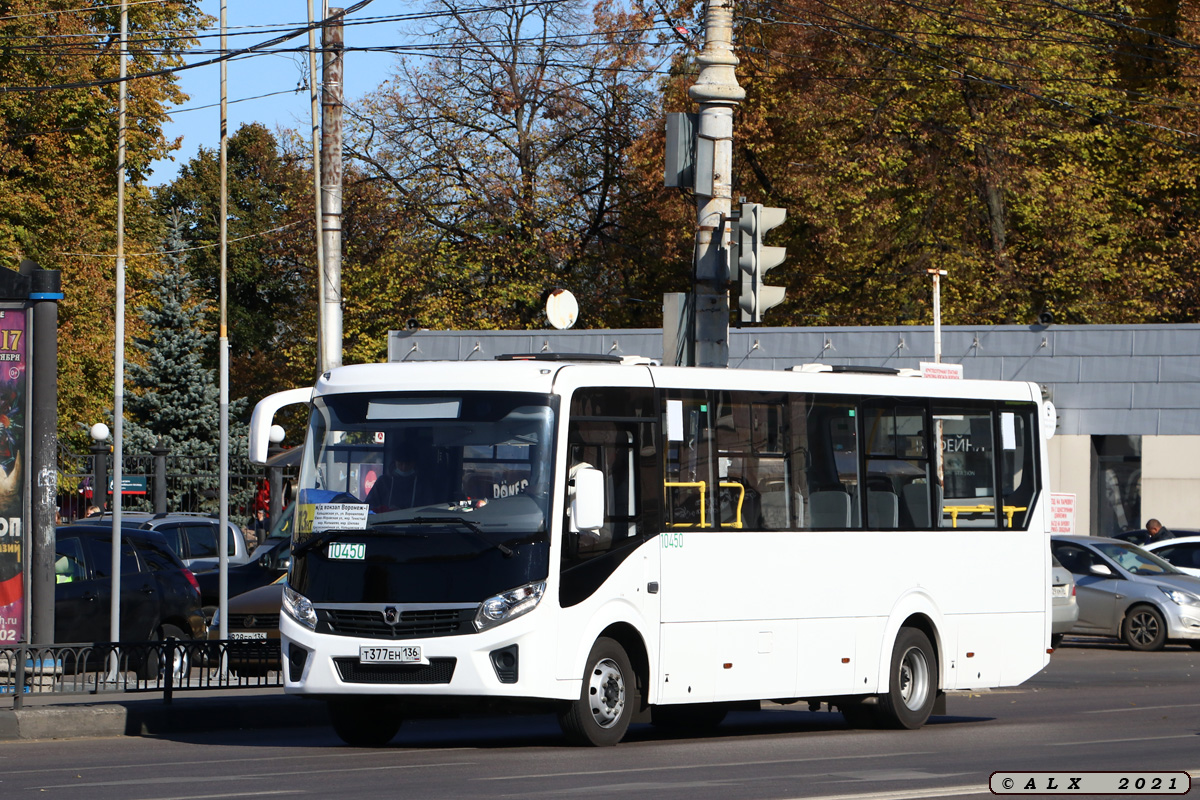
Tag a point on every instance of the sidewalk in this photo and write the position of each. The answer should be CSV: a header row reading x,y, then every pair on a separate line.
x,y
82,716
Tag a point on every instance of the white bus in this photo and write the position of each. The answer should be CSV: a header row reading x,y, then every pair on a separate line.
x,y
626,542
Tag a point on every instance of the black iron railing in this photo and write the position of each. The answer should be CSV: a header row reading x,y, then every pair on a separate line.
x,y
110,668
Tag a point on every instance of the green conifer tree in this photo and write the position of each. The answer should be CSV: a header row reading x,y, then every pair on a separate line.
x,y
175,399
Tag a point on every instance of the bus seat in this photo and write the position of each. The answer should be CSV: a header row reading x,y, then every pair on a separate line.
x,y
916,504
774,509
883,510
830,509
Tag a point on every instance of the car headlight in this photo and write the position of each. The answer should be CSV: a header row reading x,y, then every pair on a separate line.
x,y
1180,597
299,608
508,605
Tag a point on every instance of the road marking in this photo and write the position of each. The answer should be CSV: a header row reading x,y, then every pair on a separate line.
x,y
254,776
666,767
237,794
1116,741
340,755
1140,708
907,794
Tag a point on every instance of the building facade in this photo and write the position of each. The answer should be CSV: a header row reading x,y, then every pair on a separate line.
x,y
1128,396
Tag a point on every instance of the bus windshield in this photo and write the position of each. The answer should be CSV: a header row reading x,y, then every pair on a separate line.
x,y
432,490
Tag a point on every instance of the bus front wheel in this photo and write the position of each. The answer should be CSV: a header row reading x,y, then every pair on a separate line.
x,y
363,721
601,715
912,688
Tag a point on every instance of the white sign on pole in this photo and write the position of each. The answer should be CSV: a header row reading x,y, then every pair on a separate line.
x,y
952,372
1062,513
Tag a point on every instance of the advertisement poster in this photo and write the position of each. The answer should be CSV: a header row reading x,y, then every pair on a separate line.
x,y
12,444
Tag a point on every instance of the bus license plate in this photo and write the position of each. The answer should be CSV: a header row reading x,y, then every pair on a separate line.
x,y
1059,591
407,654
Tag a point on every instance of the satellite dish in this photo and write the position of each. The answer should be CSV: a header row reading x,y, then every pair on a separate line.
x,y
561,309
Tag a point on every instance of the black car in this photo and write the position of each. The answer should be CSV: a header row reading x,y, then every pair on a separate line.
x,y
1141,536
272,560
160,598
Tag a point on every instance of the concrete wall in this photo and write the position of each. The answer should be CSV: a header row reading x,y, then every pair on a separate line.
x,y
1171,480
1070,472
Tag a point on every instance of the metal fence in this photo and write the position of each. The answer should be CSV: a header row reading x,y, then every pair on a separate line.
x,y
183,483
110,668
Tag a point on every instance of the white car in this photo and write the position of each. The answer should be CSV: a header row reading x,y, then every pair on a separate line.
x,y
1183,553
1066,609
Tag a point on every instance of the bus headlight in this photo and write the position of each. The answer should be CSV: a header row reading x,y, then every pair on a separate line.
x,y
508,605
1180,597
299,608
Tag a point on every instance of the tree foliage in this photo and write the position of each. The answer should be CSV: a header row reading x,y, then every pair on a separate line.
x,y
174,402
506,155
58,170
1032,150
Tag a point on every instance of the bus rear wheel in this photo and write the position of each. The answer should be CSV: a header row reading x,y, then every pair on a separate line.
x,y
912,688
601,715
364,721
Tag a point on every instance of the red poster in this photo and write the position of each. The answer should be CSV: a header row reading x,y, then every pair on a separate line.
x,y
13,367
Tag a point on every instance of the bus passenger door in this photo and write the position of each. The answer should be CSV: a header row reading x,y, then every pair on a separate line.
x,y
687,545
611,574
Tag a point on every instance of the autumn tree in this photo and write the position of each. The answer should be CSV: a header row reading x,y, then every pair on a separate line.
x,y
1024,148
506,155
58,171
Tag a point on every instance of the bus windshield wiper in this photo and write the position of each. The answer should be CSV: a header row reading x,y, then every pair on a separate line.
x,y
468,525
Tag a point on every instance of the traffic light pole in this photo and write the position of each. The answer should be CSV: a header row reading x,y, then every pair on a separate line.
x,y
718,93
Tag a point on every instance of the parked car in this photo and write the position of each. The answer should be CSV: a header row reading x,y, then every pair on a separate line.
x,y
160,598
1066,609
192,537
1127,592
1183,552
253,629
272,560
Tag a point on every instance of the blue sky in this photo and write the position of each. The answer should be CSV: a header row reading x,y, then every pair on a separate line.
x,y
281,76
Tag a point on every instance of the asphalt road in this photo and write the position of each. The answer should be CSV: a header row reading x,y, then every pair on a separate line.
x,y
1096,707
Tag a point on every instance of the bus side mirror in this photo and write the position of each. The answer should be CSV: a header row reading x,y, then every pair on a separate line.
x,y
587,507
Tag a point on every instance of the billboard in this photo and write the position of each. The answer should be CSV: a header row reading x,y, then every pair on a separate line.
x,y
13,393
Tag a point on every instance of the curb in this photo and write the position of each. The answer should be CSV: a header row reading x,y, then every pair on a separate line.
x,y
153,717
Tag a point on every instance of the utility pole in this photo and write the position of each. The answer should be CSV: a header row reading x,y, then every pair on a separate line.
x,y
223,363
314,103
331,196
718,93
114,627
937,313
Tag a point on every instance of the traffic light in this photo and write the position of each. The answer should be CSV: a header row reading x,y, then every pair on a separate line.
x,y
755,258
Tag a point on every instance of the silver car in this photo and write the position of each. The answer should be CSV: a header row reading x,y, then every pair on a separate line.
x,y
1126,592
1066,609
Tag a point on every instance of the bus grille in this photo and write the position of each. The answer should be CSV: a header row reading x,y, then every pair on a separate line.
x,y
410,625
439,670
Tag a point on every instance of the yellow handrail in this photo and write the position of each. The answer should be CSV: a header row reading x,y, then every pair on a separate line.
x,y
703,487
1009,511
737,523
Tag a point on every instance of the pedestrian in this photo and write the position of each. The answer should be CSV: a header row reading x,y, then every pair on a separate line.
x,y
261,526
1157,532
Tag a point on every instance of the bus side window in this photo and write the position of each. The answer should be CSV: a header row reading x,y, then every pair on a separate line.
x,y
609,432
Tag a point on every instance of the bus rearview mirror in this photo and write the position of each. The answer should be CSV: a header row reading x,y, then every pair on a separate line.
x,y
587,507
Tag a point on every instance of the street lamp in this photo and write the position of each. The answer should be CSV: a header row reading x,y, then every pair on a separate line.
x,y
99,433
